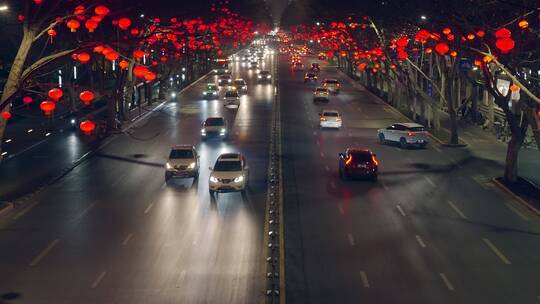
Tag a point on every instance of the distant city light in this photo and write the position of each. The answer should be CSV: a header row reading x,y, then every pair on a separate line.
x,y
423,17
4,8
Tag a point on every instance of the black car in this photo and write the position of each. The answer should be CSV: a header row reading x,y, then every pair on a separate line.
x,y
264,76
310,77
358,162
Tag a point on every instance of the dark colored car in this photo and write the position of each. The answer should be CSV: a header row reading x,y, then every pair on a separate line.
x,y
310,77
315,67
358,162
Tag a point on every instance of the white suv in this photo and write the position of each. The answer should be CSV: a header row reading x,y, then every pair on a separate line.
x,y
321,94
230,174
183,162
330,119
406,134
214,127
332,85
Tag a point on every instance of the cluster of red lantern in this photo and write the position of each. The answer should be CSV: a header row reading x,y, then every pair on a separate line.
x,y
504,41
87,126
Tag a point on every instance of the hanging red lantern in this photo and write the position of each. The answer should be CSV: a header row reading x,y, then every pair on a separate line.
x,y
471,36
429,50
6,115
140,71
134,32
99,49
453,53
112,56
138,54
47,106
514,88
87,127
503,33
505,45
124,23
361,66
487,59
450,37
86,97
446,30
73,25
101,10
79,10
442,48
83,57
38,2
163,59
330,54
481,34
123,64
403,55
51,33
27,100
150,76
477,62
55,94
106,51
91,25
402,42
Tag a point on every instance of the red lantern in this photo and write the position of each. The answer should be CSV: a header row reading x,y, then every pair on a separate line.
x,y
27,100
446,30
330,54
86,97
480,34
138,54
87,127
51,33
79,10
134,32
505,45
471,36
112,56
38,2
523,24
140,71
503,33
55,94
442,48
91,25
123,64
150,76
73,25
99,49
107,51
101,10
6,115
124,23
361,66
514,88
403,55
402,42
429,50
47,107
83,57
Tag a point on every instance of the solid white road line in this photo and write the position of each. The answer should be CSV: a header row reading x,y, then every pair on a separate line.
x,y
429,181
322,154
98,279
332,185
400,210
456,209
26,210
363,277
497,252
446,281
420,241
385,186
148,208
340,208
351,239
82,214
315,133
164,185
327,168
36,260
126,240
180,278
516,211
437,149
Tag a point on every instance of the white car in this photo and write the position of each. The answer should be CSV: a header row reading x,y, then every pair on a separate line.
x,y
321,94
232,97
229,174
406,134
183,162
220,71
240,85
264,76
211,91
330,119
214,127
332,85
224,80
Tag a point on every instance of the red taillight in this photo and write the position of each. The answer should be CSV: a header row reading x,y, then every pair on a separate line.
x,y
411,134
323,119
375,161
348,160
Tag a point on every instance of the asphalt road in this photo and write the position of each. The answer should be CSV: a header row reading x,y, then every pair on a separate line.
x,y
112,231
433,229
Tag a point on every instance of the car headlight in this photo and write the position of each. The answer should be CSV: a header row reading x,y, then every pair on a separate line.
x,y
260,76
192,165
168,166
215,71
173,94
215,93
229,81
223,130
269,76
203,131
204,93
239,179
213,179
226,71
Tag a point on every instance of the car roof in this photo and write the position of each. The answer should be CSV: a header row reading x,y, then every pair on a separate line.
x,y
330,111
331,79
214,117
359,150
410,124
229,157
321,89
264,72
239,79
183,147
225,76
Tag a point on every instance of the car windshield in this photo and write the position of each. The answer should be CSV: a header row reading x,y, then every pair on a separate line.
x,y
310,75
361,157
215,122
231,94
330,114
211,87
417,129
321,90
225,77
228,166
239,82
179,154
264,73
331,81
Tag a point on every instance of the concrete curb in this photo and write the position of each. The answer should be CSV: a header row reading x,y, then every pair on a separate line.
x,y
5,208
516,197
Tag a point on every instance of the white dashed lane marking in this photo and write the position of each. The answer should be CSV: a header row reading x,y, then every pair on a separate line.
x,y
447,281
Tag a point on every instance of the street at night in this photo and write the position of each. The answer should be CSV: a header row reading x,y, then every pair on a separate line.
x,y
258,151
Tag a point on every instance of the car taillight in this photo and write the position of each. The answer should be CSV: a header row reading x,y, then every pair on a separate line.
x,y
348,161
375,161
338,84
411,134
323,119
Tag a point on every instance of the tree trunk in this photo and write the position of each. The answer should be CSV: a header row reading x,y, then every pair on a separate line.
x,y
512,154
12,82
